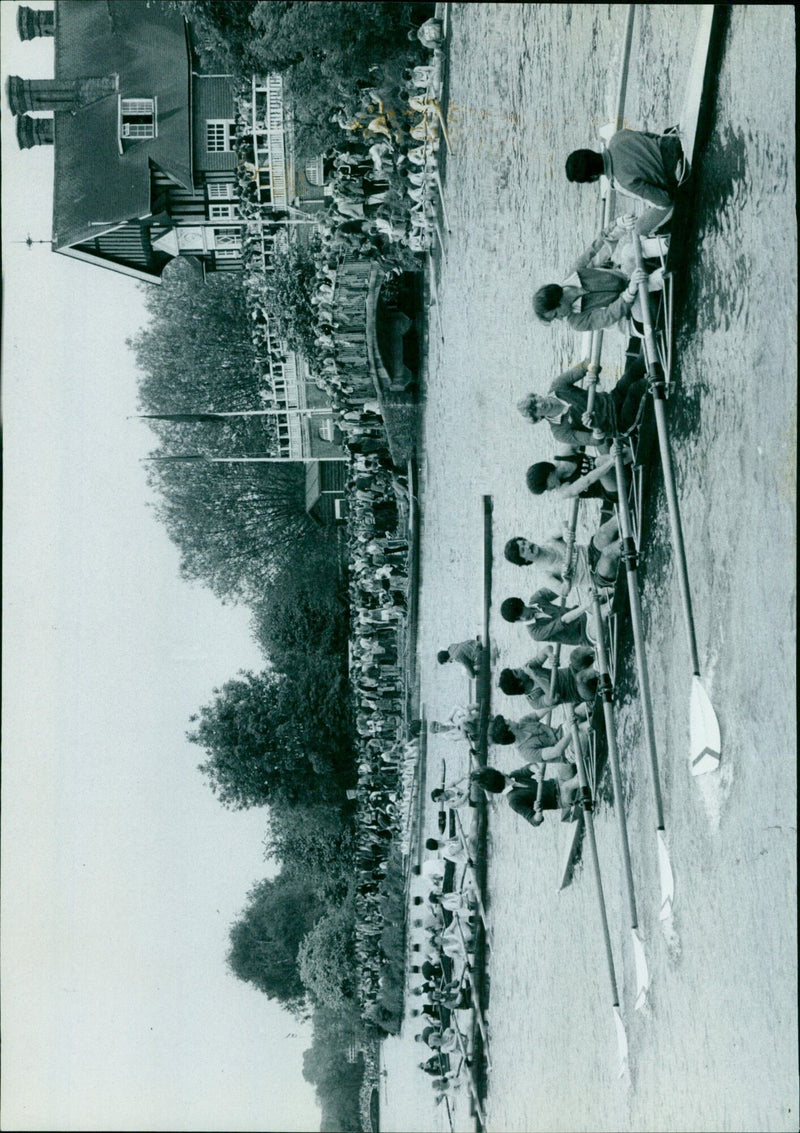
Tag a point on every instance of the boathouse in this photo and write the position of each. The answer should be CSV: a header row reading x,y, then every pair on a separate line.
x,y
145,141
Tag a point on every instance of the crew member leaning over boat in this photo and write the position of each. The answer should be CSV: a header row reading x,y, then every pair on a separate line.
x,y
546,620
535,741
573,684
519,682
594,298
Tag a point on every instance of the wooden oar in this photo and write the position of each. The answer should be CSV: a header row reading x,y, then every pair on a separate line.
x,y
569,543
629,555
607,695
442,823
704,738
476,1097
588,803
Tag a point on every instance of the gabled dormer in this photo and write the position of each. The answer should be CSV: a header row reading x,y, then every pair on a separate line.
x,y
137,118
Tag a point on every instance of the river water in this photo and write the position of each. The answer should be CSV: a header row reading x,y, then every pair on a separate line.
x,y
715,1048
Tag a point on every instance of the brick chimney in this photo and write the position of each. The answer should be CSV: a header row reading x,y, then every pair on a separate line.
x,y
34,131
55,95
33,22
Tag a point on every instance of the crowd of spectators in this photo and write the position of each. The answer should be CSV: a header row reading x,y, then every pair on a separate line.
x,y
382,182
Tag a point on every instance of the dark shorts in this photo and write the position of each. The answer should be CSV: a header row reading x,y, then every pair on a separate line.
x,y
594,558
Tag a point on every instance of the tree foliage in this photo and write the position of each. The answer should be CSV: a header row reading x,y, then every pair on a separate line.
x,y
253,741
308,608
197,352
234,524
326,958
286,295
266,939
323,49
317,840
325,1064
231,522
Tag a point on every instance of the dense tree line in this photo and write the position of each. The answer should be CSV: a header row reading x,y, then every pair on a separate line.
x,y
233,523
325,1064
265,940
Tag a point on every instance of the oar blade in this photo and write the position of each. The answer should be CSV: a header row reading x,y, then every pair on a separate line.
x,y
622,1043
667,879
642,972
706,747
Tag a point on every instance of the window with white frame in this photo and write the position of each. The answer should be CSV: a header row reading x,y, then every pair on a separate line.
x,y
220,135
137,118
227,243
220,191
223,212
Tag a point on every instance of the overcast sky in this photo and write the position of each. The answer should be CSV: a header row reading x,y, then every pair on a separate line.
x,y
121,873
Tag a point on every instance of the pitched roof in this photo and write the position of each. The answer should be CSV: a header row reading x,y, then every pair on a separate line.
x,y
96,187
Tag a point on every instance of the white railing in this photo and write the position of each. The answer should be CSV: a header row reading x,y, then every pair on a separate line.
x,y
268,133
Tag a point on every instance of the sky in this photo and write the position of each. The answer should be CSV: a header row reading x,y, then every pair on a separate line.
x,y
121,873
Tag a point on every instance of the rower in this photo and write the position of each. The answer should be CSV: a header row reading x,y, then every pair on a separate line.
x,y
535,741
565,406
572,474
527,793
572,684
545,620
590,298
647,167
601,554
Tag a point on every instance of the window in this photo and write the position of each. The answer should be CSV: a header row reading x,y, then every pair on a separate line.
x,y
220,191
137,118
220,134
227,243
223,212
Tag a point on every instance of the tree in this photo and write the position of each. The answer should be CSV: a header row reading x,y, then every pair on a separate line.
x,y
231,523
266,938
287,291
326,1065
308,607
302,623
234,524
323,49
326,958
317,839
251,736
197,352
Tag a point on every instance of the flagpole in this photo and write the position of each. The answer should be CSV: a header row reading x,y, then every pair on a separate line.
x,y
246,459
212,415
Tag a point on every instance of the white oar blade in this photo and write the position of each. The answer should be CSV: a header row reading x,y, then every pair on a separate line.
x,y
704,735
622,1043
667,880
642,972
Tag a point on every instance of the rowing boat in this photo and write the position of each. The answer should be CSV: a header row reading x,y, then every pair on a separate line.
x,y
642,440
